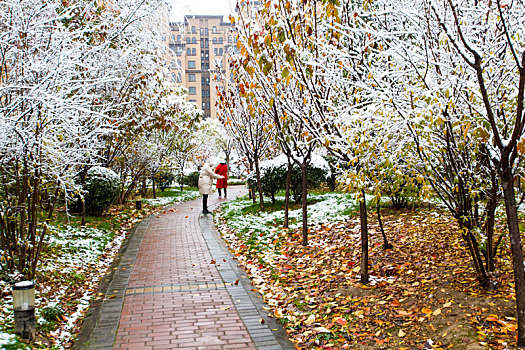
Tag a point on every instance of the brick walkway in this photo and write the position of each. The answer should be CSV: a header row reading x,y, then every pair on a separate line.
x,y
175,289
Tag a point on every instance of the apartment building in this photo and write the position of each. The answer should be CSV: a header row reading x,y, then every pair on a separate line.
x,y
199,47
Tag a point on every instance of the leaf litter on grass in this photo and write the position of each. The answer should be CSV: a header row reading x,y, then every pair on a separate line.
x,y
423,292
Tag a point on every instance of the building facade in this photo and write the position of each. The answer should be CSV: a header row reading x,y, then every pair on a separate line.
x,y
199,49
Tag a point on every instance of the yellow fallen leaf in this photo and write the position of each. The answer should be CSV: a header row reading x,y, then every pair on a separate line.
x,y
426,310
401,334
437,312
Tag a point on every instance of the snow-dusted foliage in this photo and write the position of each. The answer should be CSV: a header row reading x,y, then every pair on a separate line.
x,y
102,189
273,174
76,79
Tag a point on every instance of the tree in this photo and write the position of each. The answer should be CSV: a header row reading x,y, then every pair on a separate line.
x,y
453,75
59,67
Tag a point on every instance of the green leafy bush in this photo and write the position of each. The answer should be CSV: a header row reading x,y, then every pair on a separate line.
x,y
164,179
51,313
192,179
102,189
274,171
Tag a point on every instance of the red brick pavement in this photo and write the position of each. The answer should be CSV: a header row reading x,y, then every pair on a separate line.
x,y
175,298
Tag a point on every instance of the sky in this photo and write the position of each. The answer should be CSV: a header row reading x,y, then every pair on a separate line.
x,y
201,7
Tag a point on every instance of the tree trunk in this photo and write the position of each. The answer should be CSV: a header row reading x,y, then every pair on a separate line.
x,y
304,201
144,188
489,226
259,187
386,244
153,187
287,194
83,202
364,239
516,249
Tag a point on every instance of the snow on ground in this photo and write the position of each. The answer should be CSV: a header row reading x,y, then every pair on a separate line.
x,y
162,201
78,251
329,207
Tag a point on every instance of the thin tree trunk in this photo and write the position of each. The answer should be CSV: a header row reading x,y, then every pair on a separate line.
x,y
83,202
364,239
489,226
386,244
304,201
153,187
259,187
516,249
287,194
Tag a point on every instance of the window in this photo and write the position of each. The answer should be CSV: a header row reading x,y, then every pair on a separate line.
x,y
188,40
188,51
220,51
163,37
179,64
204,105
205,31
193,30
221,41
215,51
214,29
192,90
191,77
173,38
179,78
194,52
214,40
202,54
194,40
173,65
191,64
202,31
202,43
194,101
206,42
178,38
230,39
206,54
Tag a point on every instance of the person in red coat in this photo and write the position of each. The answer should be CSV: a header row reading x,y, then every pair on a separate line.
x,y
222,184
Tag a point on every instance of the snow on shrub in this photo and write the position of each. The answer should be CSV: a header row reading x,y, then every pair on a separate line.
x,y
102,189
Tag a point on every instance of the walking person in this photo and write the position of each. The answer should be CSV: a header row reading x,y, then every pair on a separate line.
x,y
222,169
206,177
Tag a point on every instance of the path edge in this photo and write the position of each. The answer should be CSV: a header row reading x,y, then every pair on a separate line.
x,y
256,329
99,327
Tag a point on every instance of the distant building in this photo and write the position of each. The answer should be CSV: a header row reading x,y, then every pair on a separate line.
x,y
199,49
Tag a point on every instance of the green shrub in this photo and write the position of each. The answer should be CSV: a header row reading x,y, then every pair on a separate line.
x,y
102,189
192,179
51,313
274,171
164,179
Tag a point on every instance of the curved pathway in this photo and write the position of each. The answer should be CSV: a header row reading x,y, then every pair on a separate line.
x,y
176,287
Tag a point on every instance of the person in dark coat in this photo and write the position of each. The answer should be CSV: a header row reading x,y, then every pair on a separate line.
x,y
222,184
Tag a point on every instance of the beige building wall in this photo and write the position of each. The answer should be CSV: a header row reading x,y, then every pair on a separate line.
x,y
198,51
